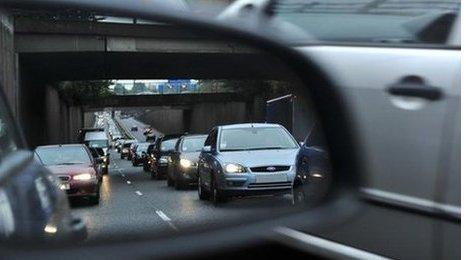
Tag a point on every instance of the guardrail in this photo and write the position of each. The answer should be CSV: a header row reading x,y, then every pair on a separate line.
x,y
123,129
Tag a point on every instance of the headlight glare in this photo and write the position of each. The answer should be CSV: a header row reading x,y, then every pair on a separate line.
x,y
83,177
234,168
185,163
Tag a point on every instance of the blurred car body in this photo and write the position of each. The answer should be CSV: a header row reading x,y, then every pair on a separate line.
x,y
147,157
183,162
75,168
313,169
247,159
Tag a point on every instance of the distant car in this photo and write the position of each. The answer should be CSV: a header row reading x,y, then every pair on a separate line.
x,y
163,147
125,146
134,128
99,140
132,150
313,169
147,156
99,156
247,159
75,167
82,132
139,154
183,162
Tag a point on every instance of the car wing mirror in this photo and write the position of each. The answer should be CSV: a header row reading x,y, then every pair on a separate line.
x,y
207,149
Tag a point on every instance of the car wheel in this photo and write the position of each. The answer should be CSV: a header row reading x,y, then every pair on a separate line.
x,y
216,195
169,181
203,195
153,175
134,163
299,195
94,200
145,168
178,185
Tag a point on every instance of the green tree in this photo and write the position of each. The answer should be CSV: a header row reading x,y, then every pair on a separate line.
x,y
78,91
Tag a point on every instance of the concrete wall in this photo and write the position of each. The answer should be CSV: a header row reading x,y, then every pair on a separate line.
x,y
165,120
8,62
200,118
207,115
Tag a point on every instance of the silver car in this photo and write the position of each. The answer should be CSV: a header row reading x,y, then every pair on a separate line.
x,y
247,159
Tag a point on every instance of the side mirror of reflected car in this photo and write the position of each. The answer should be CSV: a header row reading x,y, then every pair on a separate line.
x,y
99,160
207,149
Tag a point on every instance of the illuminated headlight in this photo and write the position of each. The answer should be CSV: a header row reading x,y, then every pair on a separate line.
x,y
234,168
186,163
104,159
51,229
125,150
163,159
83,177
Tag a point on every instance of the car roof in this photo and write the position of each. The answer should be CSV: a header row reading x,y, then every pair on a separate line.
x,y
95,135
59,145
194,135
249,125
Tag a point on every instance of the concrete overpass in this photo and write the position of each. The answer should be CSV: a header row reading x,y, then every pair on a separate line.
x,y
39,52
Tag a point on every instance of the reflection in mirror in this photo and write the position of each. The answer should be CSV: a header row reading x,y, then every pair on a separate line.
x,y
188,130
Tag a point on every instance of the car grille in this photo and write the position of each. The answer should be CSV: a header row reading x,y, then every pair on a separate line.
x,y
64,178
270,168
285,184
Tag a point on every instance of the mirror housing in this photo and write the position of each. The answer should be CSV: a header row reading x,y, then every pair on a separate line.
x,y
207,149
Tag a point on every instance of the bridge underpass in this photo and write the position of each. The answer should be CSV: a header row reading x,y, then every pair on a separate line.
x,y
61,51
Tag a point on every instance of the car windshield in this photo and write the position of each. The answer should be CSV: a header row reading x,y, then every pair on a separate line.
x,y
97,143
370,21
255,138
168,145
63,155
192,144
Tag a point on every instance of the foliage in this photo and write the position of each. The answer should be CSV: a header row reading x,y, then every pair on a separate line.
x,y
78,91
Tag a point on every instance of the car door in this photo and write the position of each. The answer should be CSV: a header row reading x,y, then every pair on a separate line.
x,y
400,100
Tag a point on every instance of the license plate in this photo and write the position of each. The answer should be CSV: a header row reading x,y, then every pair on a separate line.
x,y
271,178
64,186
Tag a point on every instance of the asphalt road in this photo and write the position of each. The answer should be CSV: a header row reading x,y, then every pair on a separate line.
x,y
132,204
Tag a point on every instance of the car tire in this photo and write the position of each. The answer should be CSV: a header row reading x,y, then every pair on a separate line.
x,y
94,200
153,175
134,163
145,168
203,195
299,196
178,185
169,181
216,195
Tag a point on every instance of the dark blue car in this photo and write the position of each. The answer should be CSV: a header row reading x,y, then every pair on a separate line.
x,y
313,171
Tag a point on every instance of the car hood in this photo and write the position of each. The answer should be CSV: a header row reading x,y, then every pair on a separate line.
x,y
70,169
256,158
193,156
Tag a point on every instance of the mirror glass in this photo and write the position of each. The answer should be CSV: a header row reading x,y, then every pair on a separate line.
x,y
194,130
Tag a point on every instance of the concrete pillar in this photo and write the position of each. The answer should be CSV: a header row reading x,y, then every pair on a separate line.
x,y
8,62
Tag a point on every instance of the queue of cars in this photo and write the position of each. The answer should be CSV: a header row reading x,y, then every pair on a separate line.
x,y
238,160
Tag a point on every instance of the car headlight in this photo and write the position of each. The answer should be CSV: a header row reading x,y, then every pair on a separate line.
x,y
125,150
104,159
83,177
234,168
185,163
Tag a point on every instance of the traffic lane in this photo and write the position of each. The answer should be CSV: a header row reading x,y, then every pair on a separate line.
x,y
127,123
186,210
122,211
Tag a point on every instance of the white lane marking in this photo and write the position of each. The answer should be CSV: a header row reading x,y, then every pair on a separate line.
x,y
162,215
128,182
138,193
